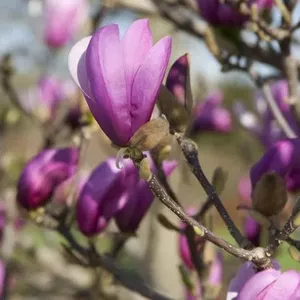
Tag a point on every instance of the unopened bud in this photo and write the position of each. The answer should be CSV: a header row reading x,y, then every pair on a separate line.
x,y
269,195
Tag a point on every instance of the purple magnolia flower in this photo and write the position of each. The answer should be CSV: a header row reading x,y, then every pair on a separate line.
x,y
140,198
270,284
103,195
46,98
62,20
218,14
43,174
120,78
264,126
252,228
209,115
283,159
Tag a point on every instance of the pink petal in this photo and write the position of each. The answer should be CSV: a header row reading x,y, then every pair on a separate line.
x,y
77,65
147,82
284,287
136,43
257,283
104,62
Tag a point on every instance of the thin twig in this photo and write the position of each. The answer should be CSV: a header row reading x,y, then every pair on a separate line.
x,y
190,152
278,116
133,283
288,229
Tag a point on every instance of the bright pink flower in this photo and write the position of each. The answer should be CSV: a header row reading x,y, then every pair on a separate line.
x,y
120,78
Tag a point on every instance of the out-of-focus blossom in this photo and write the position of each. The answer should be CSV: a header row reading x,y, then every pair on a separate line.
x,y
120,78
270,284
282,158
50,95
43,174
103,195
195,293
62,20
140,198
252,229
209,115
218,14
3,280
2,219
262,123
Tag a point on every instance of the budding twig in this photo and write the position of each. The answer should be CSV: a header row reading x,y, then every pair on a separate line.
x,y
282,235
190,152
256,255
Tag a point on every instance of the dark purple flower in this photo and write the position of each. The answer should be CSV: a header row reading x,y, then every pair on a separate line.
x,y
139,201
62,20
209,115
270,284
264,126
177,78
218,14
282,158
43,174
120,78
103,195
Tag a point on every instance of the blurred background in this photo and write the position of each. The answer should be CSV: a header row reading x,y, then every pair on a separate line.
x,y
39,269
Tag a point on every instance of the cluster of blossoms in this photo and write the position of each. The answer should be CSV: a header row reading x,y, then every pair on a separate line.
x,y
122,80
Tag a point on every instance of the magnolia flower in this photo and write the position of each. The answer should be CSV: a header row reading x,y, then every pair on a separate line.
x,y
120,78
43,174
209,115
270,284
103,195
219,14
282,158
62,20
111,192
262,123
48,96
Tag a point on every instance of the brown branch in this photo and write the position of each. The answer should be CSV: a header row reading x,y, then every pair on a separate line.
x,y
288,229
190,152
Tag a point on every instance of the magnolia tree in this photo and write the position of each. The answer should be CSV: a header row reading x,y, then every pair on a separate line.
x,y
122,88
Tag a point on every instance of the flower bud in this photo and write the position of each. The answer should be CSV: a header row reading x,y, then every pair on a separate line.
x,y
43,174
269,195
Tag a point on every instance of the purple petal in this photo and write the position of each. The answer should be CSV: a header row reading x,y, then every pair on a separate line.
x,y
98,200
284,287
281,158
176,80
136,43
104,62
147,82
257,283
